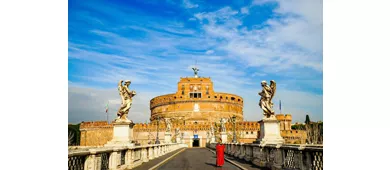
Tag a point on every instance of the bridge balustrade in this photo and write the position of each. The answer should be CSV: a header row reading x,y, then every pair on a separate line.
x,y
116,158
286,156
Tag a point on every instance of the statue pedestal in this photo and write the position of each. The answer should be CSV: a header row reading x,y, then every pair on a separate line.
x,y
212,139
269,132
178,140
168,138
223,137
123,134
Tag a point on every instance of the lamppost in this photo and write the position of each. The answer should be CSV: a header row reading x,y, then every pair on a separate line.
x,y
234,129
158,122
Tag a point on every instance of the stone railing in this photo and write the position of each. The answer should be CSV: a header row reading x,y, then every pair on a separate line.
x,y
113,158
286,156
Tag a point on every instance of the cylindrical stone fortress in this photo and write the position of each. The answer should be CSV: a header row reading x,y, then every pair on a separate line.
x,y
196,101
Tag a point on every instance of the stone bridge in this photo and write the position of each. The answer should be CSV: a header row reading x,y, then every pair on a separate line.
x,y
178,156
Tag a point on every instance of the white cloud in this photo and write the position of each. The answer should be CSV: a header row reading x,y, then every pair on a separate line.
x,y
270,49
84,107
189,4
244,10
258,74
296,103
209,51
283,44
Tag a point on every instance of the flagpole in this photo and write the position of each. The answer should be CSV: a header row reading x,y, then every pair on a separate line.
x,y
107,112
280,106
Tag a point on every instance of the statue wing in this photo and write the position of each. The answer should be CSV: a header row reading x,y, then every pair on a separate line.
x,y
273,87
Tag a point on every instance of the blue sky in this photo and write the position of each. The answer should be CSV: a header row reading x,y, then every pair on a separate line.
x,y
154,43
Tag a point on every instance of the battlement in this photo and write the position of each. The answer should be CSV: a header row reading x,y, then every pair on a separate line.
x,y
286,117
96,124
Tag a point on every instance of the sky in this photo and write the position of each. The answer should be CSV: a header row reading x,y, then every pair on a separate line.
x,y
238,43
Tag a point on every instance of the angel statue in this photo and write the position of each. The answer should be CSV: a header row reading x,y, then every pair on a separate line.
x,y
267,94
127,100
223,121
195,71
168,123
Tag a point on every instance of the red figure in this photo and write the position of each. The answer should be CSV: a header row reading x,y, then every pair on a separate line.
x,y
220,154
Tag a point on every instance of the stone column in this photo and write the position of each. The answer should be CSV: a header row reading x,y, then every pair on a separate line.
x,y
128,159
144,153
150,150
242,151
248,152
113,160
308,161
238,150
155,152
91,162
278,159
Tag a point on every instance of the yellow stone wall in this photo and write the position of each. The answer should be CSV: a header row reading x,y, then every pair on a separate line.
x,y
211,105
99,133
294,136
95,133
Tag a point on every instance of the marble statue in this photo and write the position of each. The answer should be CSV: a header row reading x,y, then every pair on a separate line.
x,y
195,71
212,131
267,94
223,121
177,131
127,100
168,123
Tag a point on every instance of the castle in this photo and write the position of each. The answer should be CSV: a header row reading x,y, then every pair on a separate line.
x,y
193,109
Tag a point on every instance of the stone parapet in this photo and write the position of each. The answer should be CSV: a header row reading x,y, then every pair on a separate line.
x,y
285,156
116,158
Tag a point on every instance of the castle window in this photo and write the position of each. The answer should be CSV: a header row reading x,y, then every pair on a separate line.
x,y
195,95
209,96
226,97
182,92
181,97
247,132
215,96
174,97
252,132
232,98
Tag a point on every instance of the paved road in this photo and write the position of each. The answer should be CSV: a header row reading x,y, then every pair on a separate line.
x,y
195,158
152,163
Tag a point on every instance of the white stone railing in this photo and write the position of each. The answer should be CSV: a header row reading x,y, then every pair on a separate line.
x,y
286,156
116,158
